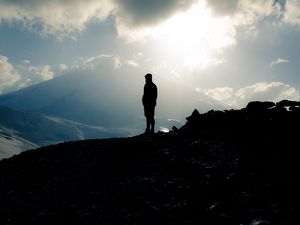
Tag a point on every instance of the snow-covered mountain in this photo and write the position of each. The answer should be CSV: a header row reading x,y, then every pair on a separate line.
x,y
21,131
110,100
11,144
84,104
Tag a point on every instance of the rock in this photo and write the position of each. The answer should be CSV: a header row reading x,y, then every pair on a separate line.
x,y
294,109
195,115
259,106
287,103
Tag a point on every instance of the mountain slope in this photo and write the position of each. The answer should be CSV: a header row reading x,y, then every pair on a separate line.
x,y
221,168
11,144
109,100
46,130
22,131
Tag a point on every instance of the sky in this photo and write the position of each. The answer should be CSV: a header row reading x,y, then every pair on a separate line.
x,y
235,51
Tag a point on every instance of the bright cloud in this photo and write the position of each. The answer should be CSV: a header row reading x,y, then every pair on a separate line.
x,y
223,7
278,61
99,61
198,36
25,74
191,33
31,74
245,12
222,94
63,18
8,74
193,38
63,67
46,73
133,63
56,17
292,12
39,73
274,91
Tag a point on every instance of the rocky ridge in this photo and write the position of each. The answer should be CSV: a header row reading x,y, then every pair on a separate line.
x,y
222,167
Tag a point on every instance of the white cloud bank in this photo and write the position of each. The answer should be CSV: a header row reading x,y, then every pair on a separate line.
x,y
35,74
200,29
63,18
8,74
25,74
292,12
245,12
274,91
13,77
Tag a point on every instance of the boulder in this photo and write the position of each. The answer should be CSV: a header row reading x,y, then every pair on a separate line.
x,y
287,103
259,106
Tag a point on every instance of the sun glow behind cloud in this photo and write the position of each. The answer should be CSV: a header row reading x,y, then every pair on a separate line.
x,y
194,38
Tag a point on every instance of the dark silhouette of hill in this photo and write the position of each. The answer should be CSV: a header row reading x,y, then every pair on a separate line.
x,y
222,167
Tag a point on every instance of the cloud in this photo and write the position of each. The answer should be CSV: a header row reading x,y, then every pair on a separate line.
x,y
292,12
99,61
222,94
39,73
64,18
227,7
104,63
31,74
133,63
61,18
46,73
63,67
8,74
274,91
135,13
25,74
278,61
245,12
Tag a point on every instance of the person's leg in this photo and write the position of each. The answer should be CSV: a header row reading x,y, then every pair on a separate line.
x,y
148,124
152,122
146,113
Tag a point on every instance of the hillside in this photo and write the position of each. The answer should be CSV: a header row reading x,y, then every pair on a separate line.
x,y
20,131
11,143
222,167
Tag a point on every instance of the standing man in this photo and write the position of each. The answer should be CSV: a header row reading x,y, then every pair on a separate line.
x,y
149,103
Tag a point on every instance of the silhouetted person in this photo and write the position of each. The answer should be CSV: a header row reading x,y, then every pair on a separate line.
x,y
149,102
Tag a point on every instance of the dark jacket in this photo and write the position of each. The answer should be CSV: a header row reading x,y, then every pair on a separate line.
x,y
150,94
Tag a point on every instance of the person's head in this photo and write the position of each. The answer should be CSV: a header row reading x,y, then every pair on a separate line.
x,y
148,77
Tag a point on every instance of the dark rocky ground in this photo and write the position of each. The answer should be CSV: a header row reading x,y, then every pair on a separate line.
x,y
236,167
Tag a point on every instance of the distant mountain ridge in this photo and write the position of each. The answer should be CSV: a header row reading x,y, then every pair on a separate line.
x,y
12,144
227,167
22,131
85,105
108,100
